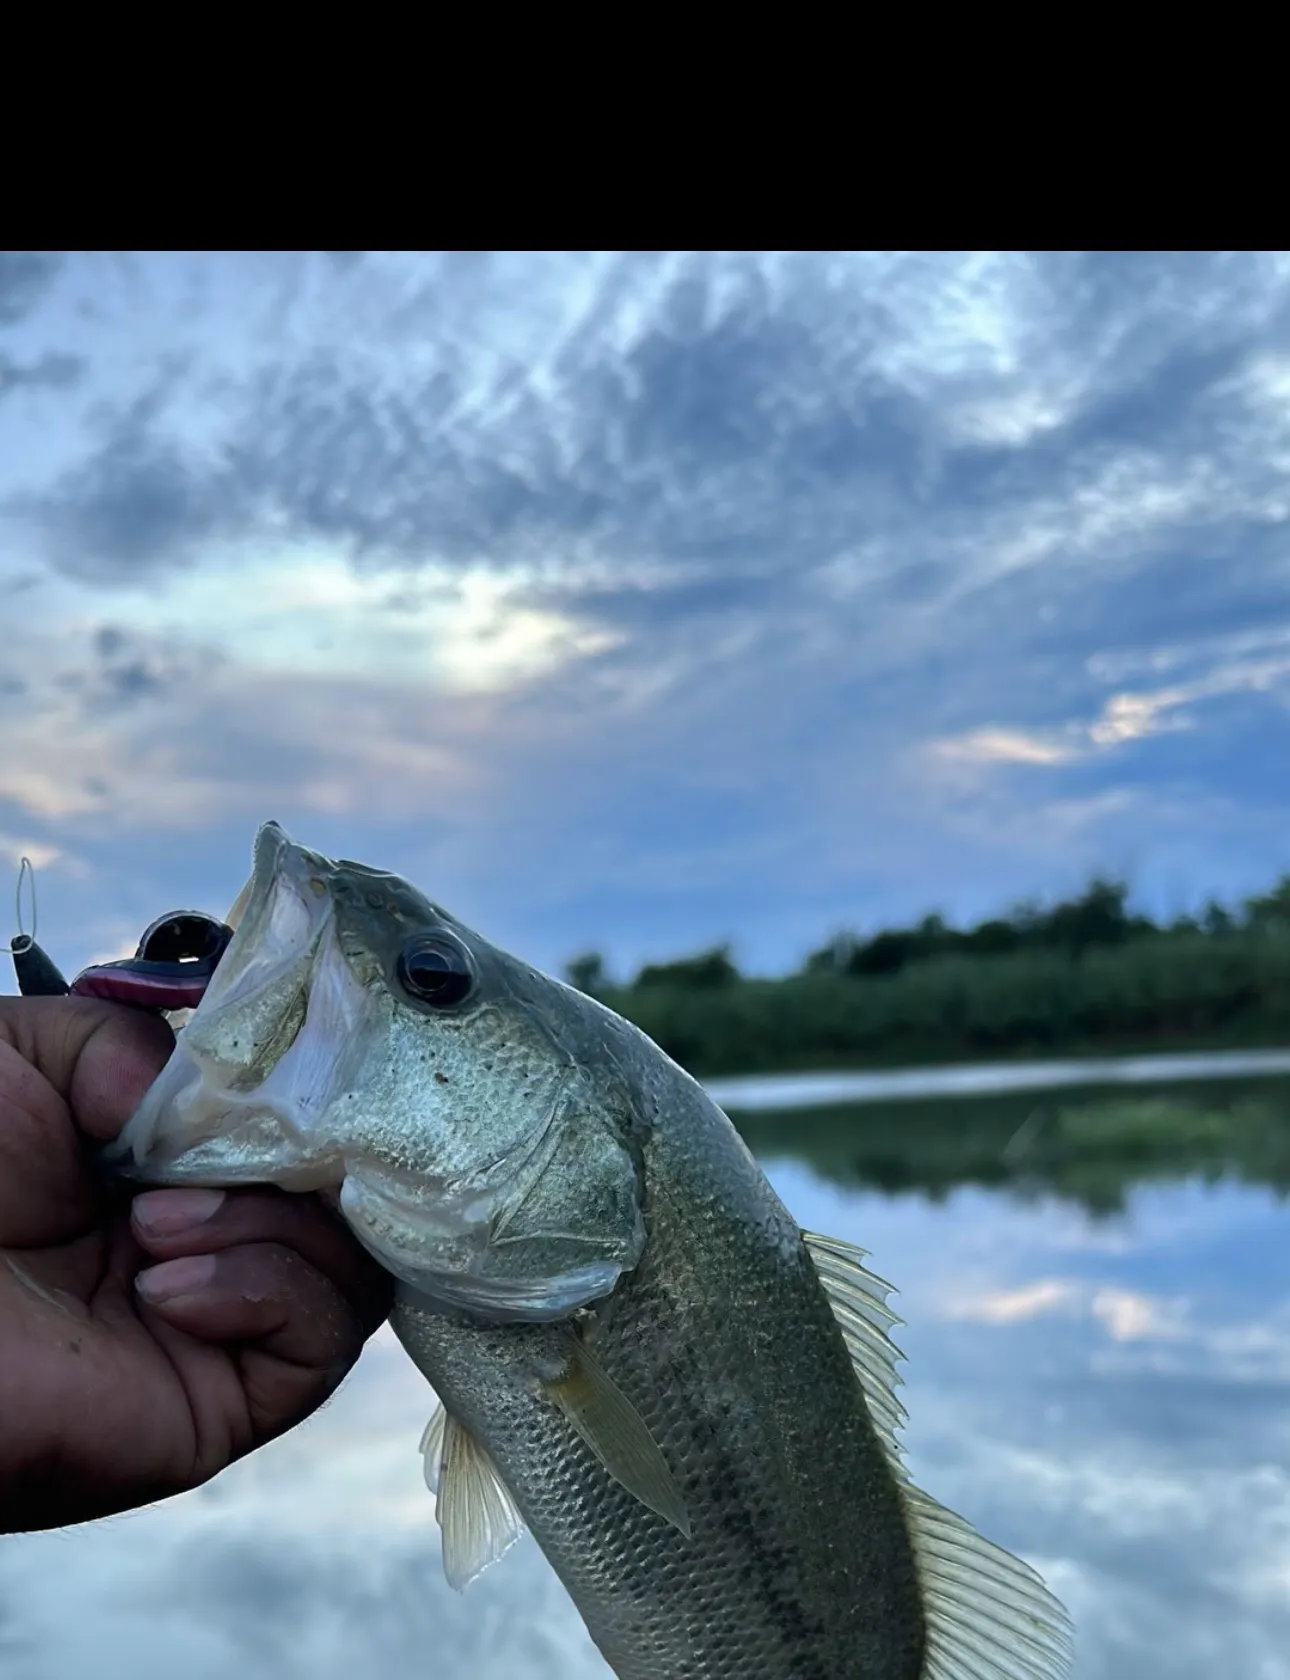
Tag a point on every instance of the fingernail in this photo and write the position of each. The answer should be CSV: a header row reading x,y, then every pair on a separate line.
x,y
175,1277
162,1213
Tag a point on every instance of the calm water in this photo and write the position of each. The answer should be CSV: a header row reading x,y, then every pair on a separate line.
x,y
1096,1287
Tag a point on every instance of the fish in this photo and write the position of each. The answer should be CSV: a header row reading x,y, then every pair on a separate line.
x,y
637,1353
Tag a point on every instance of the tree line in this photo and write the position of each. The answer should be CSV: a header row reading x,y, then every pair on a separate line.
x,y
1083,973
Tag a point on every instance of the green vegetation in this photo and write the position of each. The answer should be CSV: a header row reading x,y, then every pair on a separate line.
x,y
1089,1146
1084,975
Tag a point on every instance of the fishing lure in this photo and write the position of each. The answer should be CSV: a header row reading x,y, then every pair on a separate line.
x,y
170,969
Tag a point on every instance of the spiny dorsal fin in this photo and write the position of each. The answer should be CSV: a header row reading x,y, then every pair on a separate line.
x,y
617,1434
476,1514
859,1302
989,1616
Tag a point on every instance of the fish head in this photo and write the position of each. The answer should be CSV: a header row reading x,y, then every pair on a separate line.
x,y
457,1105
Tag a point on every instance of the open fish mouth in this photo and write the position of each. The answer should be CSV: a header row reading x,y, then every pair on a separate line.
x,y
259,1061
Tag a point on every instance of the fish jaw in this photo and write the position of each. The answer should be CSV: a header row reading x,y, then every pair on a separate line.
x,y
256,1075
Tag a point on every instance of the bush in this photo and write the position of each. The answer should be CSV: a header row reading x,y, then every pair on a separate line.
x,y
1156,991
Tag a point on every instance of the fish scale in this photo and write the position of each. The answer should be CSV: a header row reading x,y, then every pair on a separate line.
x,y
799,1563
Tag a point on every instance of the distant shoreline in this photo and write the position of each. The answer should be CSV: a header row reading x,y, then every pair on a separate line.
x,y
1163,993
760,1093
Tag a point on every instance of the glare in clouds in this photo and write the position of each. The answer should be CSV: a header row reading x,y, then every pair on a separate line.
x,y
13,848
1126,716
1010,1306
1126,1315
311,613
1004,746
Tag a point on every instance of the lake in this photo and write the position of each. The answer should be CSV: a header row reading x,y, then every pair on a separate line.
x,y
1095,1280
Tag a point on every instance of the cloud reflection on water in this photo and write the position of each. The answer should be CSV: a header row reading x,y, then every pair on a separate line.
x,y
1145,1473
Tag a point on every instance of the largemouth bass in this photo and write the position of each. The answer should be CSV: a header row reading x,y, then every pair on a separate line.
x,y
689,1401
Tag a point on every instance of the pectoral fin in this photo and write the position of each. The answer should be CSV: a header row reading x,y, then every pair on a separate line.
x,y
477,1516
617,1434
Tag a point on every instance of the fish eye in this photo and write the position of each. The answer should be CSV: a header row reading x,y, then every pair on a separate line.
x,y
435,970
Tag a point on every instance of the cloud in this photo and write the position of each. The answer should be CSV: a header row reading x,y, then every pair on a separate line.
x,y
1004,746
131,504
1129,715
13,849
1009,1306
721,416
759,592
120,740
25,276
54,371
1127,1315
1130,1316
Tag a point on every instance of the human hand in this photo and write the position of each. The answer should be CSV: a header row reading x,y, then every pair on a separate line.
x,y
120,1386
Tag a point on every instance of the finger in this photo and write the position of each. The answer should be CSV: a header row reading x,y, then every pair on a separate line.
x,y
119,1060
298,1335
171,1223
97,1055
44,1193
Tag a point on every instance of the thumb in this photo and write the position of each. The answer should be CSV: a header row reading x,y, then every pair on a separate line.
x,y
98,1056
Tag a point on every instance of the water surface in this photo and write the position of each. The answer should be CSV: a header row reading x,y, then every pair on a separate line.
x,y
1096,1288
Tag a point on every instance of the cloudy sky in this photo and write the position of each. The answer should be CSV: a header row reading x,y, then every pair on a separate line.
x,y
644,600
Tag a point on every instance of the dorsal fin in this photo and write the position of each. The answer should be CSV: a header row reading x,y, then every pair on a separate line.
x,y
859,1302
989,1616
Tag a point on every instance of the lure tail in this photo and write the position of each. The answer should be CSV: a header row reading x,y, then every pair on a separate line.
x,y
37,973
